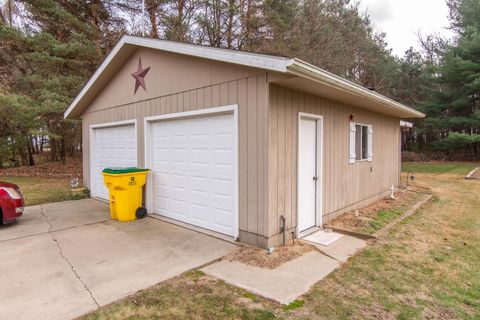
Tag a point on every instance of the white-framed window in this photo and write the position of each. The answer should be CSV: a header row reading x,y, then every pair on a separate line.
x,y
361,142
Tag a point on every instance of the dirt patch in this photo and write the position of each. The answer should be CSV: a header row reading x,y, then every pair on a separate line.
x,y
261,258
373,217
72,168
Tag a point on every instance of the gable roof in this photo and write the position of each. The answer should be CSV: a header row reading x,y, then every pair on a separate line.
x,y
295,68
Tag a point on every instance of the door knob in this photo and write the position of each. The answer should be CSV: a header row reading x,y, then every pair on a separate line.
x,y
315,178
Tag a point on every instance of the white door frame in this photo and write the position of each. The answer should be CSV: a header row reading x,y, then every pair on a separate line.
x,y
148,121
92,145
319,190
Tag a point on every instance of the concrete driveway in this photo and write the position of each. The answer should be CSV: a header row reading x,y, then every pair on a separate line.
x,y
62,260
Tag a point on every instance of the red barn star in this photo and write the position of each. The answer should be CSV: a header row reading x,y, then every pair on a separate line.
x,y
140,76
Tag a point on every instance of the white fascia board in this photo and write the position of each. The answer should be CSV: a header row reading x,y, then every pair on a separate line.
x,y
255,60
306,70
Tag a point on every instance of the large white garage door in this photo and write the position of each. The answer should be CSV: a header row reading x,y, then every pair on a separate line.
x,y
194,171
112,147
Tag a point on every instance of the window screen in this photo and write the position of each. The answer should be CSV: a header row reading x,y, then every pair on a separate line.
x,y
358,142
361,142
364,142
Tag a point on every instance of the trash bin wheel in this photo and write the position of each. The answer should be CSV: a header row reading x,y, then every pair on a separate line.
x,y
141,212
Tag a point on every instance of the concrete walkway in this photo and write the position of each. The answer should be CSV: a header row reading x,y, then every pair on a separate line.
x,y
65,259
290,280
284,283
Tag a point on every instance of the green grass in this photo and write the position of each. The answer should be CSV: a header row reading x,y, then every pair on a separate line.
x,y
294,305
250,296
44,190
425,267
383,217
439,167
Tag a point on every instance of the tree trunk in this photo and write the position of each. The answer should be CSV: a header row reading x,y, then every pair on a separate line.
x,y
14,154
3,20
53,150
36,149
152,14
231,12
31,161
23,153
63,156
182,36
10,12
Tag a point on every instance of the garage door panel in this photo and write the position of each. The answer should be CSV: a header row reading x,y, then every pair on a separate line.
x,y
161,155
200,155
161,178
223,217
180,207
199,184
162,203
193,170
179,181
222,187
113,147
200,212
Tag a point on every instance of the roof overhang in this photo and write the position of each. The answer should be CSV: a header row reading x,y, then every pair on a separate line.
x,y
299,72
332,86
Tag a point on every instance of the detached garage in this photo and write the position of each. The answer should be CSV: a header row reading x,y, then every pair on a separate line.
x,y
240,144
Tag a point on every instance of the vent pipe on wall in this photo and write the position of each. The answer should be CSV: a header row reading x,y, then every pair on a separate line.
x,y
283,228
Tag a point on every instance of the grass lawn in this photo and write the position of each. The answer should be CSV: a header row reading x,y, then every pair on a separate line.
x,y
43,190
439,167
425,267
383,218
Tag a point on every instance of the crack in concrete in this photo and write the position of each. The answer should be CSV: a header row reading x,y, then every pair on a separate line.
x,y
50,226
320,250
327,255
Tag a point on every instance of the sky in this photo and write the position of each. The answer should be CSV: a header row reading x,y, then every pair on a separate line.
x,y
403,19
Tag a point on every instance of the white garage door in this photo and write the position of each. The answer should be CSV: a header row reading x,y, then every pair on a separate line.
x,y
112,147
194,171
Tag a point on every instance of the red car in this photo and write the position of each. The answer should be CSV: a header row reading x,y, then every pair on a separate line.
x,y
11,202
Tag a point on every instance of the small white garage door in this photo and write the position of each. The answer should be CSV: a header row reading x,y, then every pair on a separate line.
x,y
194,171
112,147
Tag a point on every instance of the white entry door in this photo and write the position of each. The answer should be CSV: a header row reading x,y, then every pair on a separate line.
x,y
194,171
112,146
309,173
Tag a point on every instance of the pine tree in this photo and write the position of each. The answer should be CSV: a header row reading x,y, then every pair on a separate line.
x,y
454,109
47,67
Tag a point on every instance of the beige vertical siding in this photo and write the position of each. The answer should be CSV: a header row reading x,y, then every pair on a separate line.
x,y
251,95
344,184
